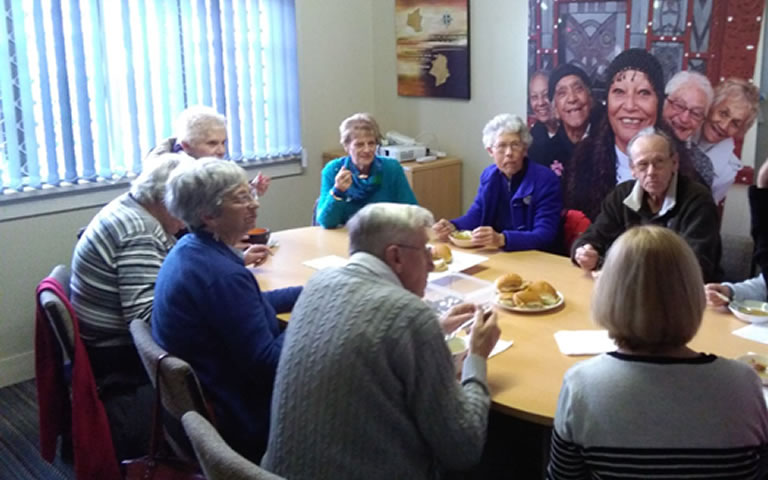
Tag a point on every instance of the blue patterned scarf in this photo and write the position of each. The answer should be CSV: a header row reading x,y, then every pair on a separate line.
x,y
362,188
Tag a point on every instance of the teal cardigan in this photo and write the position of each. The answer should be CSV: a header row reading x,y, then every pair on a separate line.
x,y
332,213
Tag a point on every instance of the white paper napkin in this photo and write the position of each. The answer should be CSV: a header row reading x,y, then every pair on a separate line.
x,y
328,261
758,333
584,342
501,345
461,261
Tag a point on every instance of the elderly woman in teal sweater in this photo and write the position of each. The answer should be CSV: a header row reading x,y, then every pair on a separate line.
x,y
362,177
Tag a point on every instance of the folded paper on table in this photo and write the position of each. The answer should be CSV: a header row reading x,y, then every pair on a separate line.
x,y
461,261
584,342
328,261
501,345
757,333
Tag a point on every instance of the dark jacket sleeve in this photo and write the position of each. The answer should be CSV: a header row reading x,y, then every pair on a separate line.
x,y
758,202
607,227
699,226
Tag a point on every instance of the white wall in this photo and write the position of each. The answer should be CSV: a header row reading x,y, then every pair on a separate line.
x,y
336,78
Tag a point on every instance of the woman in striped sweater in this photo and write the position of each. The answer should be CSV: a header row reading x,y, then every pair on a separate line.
x,y
656,408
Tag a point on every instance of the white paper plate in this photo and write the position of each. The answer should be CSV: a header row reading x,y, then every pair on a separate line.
x,y
545,308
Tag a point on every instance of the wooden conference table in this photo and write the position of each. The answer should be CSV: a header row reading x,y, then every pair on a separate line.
x,y
525,379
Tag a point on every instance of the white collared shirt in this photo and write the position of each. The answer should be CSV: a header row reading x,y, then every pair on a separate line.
x,y
634,200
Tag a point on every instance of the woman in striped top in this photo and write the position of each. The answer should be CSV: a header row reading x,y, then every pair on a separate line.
x,y
655,408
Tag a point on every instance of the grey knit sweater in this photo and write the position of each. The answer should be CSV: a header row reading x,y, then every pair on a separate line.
x,y
365,387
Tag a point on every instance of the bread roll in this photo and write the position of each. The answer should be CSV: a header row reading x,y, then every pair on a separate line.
x,y
545,291
527,299
442,251
506,299
440,265
510,282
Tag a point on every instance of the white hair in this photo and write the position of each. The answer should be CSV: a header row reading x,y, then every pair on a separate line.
x,y
197,188
195,122
686,78
651,132
505,123
149,186
378,225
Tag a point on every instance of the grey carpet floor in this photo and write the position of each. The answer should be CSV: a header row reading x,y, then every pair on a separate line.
x,y
19,438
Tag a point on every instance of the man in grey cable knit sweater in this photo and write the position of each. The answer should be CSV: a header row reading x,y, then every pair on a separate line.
x,y
366,387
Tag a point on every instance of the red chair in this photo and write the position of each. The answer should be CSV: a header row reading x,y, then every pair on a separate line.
x,y
574,224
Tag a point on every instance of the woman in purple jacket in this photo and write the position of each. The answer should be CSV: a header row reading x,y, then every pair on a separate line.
x,y
518,202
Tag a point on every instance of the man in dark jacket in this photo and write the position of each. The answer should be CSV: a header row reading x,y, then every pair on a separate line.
x,y
658,195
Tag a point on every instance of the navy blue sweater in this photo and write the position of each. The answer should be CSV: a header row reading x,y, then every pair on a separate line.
x,y
209,311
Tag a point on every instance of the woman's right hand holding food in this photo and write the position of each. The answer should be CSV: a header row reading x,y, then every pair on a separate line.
x,y
443,229
712,290
343,180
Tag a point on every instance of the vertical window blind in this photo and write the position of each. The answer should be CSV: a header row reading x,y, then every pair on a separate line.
x,y
89,87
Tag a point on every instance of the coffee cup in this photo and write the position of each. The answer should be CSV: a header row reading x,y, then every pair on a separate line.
x,y
258,235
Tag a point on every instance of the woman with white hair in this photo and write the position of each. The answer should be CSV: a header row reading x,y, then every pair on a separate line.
x,y
209,309
733,112
655,407
349,183
200,131
518,202
114,267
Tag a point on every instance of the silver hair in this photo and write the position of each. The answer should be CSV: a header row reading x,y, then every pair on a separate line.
x,y
358,123
196,189
378,225
649,132
738,87
685,78
195,122
505,123
149,186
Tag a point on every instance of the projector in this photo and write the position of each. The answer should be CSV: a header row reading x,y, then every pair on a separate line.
x,y
402,153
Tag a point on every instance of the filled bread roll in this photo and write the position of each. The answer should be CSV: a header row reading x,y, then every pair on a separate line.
x,y
527,299
440,265
510,282
545,291
442,251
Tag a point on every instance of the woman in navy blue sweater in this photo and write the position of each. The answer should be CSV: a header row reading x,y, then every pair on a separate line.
x,y
209,309
518,202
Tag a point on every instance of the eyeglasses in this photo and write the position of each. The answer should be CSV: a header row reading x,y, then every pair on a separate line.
x,y
243,198
680,107
514,146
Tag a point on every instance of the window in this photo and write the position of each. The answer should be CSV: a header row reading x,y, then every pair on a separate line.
x,y
89,87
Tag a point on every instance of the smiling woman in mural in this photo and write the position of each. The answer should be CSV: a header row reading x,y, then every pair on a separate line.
x,y
634,102
733,111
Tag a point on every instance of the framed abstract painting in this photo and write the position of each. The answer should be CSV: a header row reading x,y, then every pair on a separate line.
x,y
432,48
